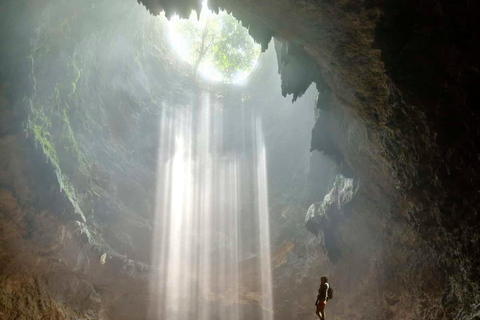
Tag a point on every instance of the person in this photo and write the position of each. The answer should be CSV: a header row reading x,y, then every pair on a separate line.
x,y
322,297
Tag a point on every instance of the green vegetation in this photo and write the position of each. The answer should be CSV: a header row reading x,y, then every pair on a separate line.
x,y
217,42
44,123
75,107
41,124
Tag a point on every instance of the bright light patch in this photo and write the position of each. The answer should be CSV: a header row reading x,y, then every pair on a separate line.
x,y
217,46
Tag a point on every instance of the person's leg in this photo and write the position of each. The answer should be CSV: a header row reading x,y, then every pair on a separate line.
x,y
318,312
321,309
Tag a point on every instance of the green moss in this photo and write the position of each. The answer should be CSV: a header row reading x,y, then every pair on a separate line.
x,y
77,75
53,133
40,124
45,139
68,137
67,111
97,190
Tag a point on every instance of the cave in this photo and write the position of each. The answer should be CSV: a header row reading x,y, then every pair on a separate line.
x,y
132,190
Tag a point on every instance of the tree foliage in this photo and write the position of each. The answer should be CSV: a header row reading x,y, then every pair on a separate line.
x,y
219,41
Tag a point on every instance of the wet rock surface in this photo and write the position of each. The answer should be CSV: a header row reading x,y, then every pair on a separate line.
x,y
405,72
325,216
396,110
77,182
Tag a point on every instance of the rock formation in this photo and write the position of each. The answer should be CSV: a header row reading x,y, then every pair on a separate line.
x,y
395,123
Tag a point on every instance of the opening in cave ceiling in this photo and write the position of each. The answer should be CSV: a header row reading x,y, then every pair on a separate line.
x,y
217,46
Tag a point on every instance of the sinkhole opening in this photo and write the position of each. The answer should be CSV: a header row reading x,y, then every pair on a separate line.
x,y
217,46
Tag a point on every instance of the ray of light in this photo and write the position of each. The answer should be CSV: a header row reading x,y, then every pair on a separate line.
x,y
203,189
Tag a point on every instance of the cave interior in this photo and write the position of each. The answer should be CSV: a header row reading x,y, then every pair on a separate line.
x,y
131,190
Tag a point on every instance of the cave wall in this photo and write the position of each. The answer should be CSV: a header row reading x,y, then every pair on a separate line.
x,y
370,256
396,111
82,95
406,72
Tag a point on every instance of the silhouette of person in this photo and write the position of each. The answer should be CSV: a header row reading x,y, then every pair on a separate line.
x,y
322,298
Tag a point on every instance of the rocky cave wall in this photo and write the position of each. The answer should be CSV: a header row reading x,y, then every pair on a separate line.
x,y
406,72
83,93
82,96
395,113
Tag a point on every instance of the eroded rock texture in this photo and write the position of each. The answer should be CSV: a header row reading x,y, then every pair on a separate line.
x,y
396,113
84,89
406,73
79,129
326,216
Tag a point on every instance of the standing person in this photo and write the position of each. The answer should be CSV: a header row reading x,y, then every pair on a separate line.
x,y
322,298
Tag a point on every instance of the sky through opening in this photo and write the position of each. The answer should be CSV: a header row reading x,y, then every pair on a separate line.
x,y
217,46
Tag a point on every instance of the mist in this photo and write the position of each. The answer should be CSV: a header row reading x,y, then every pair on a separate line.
x,y
137,183
184,180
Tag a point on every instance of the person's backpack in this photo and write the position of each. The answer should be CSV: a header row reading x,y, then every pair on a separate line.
x,y
330,293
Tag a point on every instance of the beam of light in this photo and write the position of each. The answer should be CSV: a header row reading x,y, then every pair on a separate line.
x,y
198,239
264,224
